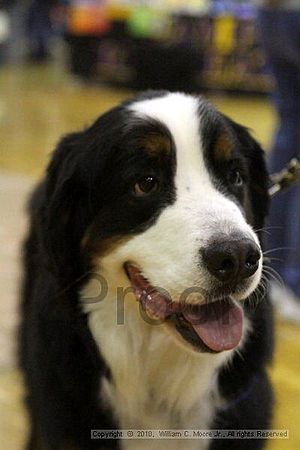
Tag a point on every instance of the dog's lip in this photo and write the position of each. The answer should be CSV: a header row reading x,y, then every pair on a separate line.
x,y
218,324
158,304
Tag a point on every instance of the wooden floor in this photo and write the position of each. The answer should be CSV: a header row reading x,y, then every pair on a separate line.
x,y
37,105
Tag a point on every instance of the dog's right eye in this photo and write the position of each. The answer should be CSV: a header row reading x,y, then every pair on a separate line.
x,y
235,178
145,186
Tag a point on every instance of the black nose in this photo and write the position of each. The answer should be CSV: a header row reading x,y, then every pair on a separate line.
x,y
232,260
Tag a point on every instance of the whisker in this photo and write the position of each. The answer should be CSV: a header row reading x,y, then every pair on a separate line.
x,y
274,275
268,258
268,228
240,354
276,249
259,293
262,230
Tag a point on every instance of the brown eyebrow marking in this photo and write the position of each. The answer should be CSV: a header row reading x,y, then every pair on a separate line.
x,y
223,147
156,143
97,247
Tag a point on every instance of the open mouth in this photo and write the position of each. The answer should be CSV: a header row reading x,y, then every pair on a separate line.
x,y
215,326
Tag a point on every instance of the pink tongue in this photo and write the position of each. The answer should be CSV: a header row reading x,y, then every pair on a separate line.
x,y
219,326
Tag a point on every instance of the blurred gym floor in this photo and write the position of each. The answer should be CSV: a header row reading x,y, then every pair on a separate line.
x,y
37,105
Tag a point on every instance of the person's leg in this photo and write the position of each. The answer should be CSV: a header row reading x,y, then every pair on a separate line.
x,y
284,218
39,30
285,147
281,39
291,271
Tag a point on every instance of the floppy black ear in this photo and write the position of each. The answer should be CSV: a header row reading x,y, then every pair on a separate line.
x,y
74,190
62,212
259,178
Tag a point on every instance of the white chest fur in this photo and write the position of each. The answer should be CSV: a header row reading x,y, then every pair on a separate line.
x,y
156,383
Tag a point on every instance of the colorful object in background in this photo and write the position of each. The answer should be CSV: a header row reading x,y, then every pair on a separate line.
x,y
147,22
234,59
213,41
224,34
88,17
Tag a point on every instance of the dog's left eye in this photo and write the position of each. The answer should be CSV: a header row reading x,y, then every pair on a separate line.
x,y
145,186
235,178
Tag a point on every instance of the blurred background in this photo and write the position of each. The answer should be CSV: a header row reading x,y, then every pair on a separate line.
x,y
62,63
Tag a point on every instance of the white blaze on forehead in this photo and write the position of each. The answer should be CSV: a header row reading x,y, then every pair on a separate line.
x,y
168,252
196,192
179,113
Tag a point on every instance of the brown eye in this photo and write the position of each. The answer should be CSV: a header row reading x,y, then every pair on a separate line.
x,y
236,178
146,186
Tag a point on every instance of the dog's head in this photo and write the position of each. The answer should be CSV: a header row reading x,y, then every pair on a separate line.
x,y
164,193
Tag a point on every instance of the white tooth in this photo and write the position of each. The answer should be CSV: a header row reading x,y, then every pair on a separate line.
x,y
143,295
149,297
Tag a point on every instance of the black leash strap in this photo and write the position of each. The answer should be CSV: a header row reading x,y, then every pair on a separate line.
x,y
286,178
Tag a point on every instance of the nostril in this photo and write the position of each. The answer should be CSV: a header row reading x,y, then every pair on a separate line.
x,y
220,262
250,265
252,260
232,260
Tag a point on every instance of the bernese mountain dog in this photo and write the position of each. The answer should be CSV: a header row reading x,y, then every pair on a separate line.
x,y
144,300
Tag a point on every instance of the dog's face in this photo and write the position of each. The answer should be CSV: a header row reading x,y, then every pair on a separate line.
x,y
168,193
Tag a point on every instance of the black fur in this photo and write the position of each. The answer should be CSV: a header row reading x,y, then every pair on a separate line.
x,y
84,190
